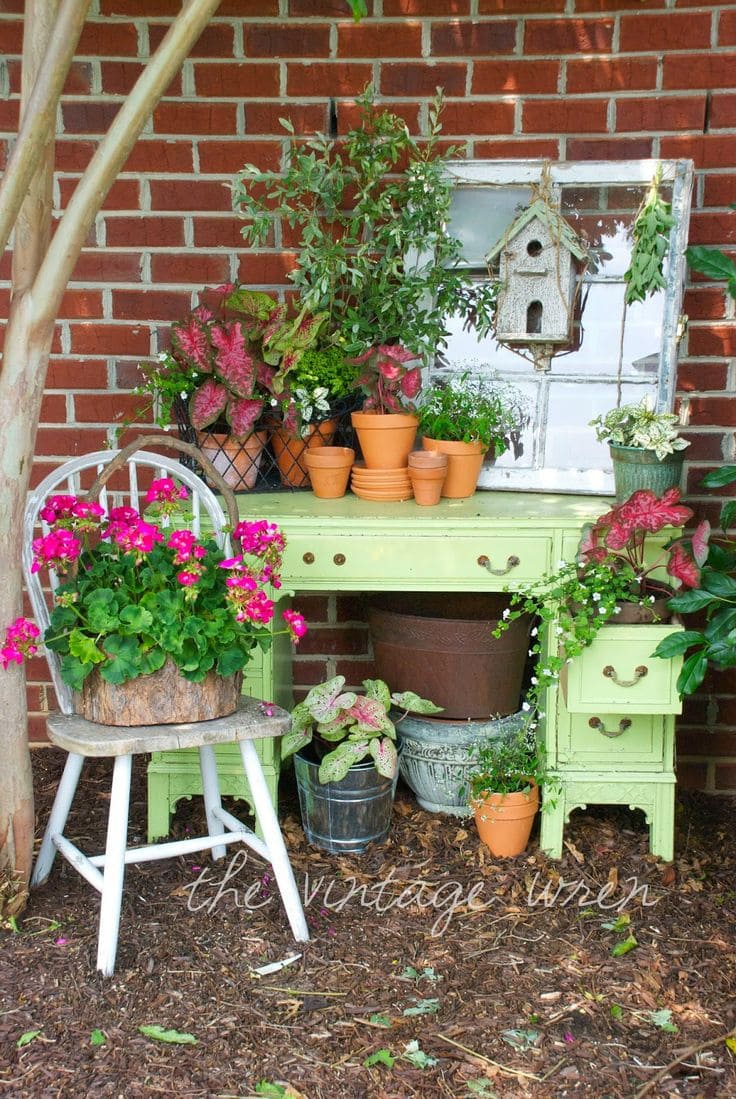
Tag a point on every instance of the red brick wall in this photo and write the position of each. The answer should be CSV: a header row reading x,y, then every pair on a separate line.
x,y
565,79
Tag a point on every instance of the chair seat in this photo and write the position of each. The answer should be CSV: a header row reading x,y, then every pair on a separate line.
x,y
253,720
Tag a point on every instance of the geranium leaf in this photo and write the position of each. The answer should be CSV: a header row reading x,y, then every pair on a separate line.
x,y
84,648
172,1037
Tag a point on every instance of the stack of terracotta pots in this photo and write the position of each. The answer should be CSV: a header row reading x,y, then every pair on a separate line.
x,y
427,472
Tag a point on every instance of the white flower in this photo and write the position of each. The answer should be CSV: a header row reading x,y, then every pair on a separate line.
x,y
183,394
559,631
525,706
531,652
596,596
546,671
602,610
534,632
617,610
506,613
534,680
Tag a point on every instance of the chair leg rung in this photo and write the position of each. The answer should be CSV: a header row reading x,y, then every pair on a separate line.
x,y
154,851
83,865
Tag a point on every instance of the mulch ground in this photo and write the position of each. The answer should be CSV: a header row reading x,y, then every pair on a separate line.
x,y
433,969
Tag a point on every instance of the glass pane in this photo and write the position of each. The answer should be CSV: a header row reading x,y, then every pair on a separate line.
x,y
480,215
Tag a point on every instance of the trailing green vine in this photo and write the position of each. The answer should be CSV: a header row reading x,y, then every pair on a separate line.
x,y
651,232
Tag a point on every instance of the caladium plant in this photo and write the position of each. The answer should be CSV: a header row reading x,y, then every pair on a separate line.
x,y
357,724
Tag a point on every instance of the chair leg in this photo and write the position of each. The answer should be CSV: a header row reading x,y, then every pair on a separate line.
x,y
57,820
266,817
114,871
211,791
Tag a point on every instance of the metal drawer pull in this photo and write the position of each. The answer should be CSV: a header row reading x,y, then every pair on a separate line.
x,y
623,725
511,563
610,673
339,558
308,558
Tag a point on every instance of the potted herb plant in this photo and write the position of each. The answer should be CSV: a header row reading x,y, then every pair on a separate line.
x,y
615,578
504,791
346,761
646,449
465,416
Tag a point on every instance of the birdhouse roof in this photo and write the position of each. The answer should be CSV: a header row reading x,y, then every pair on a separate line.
x,y
560,229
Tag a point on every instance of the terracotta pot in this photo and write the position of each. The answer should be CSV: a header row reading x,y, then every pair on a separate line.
x,y
329,470
464,461
427,484
427,459
238,460
632,614
504,821
289,451
385,439
164,697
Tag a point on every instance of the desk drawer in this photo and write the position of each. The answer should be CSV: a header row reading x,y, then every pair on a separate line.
x,y
616,741
313,559
618,673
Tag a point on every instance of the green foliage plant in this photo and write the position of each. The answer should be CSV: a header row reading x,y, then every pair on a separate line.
x,y
640,425
714,644
374,254
508,766
472,408
358,725
651,233
322,381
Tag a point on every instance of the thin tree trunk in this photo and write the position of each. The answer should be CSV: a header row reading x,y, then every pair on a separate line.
x,y
40,278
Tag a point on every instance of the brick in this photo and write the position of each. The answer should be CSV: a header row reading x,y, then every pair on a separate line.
x,y
88,116
513,148
73,154
423,79
720,190
692,776
327,641
327,9
727,28
701,305
192,267
465,117
307,674
725,776
707,150
698,70
97,338
727,711
104,408
263,118
140,8
355,671
259,8
520,7
385,39
313,607
227,157
704,447
722,112
37,733
473,39
614,5
187,117
123,195
707,742
660,114
189,194
218,232
573,36
144,232
348,115
156,155
715,340
127,375
331,78
106,266
668,31
216,40
11,37
241,80
695,377
622,148
53,409
565,116
118,78
287,40
515,77
80,303
154,305
106,39
264,269
351,607
9,113
421,8
716,411
77,374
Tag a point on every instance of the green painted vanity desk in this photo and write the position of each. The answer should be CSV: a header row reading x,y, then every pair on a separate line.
x,y
611,743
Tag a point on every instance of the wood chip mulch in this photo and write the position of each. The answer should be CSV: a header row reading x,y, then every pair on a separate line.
x,y
433,970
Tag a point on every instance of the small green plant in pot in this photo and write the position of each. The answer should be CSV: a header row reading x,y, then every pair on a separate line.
x,y
646,448
466,416
346,787
504,791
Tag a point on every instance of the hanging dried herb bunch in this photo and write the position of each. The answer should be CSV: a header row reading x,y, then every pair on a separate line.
x,y
651,232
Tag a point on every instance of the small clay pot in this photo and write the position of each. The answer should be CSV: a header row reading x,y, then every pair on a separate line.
x,y
427,484
329,470
427,459
504,821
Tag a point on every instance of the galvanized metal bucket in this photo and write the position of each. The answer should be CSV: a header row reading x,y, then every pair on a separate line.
x,y
343,817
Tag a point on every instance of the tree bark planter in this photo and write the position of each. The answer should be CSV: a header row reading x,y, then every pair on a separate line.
x,y
441,646
164,697
346,816
437,757
237,460
385,438
635,468
504,821
464,462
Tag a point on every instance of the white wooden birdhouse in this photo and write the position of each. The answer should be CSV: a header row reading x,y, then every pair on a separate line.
x,y
539,259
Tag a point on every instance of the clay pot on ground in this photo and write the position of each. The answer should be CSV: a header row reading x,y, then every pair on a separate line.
x,y
329,470
504,821
237,460
464,462
385,439
290,451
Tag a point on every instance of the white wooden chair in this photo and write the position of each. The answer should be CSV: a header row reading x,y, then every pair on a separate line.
x,y
82,739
